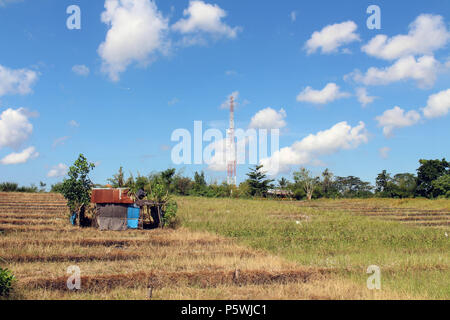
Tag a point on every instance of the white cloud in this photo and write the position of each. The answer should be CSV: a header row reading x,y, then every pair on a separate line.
x,y
396,118
173,101
363,97
15,127
60,141
16,81
137,32
74,124
293,16
58,171
426,34
328,94
384,152
268,119
339,137
81,70
438,105
204,17
217,160
21,157
226,103
231,72
330,38
3,3
422,70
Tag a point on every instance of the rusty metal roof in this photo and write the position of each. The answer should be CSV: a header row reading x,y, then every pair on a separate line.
x,y
110,195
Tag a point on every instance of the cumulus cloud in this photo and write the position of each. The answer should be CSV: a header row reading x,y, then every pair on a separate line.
x,y
268,118
16,81
137,32
426,34
422,70
15,127
363,97
58,171
328,94
384,152
438,105
20,157
81,70
330,38
202,17
341,136
396,118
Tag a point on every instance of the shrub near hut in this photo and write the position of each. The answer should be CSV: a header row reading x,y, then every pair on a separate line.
x,y
77,188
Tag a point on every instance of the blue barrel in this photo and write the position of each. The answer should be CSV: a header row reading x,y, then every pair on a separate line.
x,y
133,217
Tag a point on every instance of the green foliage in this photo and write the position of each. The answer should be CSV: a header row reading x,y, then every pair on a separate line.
x,y
7,280
403,185
14,187
353,187
77,188
8,187
182,185
382,183
57,188
170,218
199,187
429,171
303,179
441,186
257,182
118,179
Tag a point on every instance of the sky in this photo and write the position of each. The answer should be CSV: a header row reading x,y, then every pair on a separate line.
x,y
116,86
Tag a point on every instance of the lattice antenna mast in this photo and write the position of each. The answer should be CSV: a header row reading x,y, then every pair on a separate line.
x,y
231,148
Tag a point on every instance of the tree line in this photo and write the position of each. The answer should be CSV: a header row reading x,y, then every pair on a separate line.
x,y
431,181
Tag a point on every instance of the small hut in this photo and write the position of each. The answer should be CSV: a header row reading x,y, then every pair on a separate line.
x,y
116,210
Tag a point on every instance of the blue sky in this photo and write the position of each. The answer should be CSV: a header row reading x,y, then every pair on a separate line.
x,y
119,107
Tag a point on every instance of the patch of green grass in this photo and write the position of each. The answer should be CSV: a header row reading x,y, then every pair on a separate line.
x,y
413,260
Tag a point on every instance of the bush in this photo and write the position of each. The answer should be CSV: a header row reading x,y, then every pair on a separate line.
x,y
7,280
8,186
170,218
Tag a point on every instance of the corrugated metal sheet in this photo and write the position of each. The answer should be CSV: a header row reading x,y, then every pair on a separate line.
x,y
111,196
133,217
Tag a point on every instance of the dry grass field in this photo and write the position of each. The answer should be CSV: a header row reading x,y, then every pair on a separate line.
x,y
232,249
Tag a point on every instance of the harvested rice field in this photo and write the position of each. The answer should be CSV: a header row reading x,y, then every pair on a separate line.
x,y
233,249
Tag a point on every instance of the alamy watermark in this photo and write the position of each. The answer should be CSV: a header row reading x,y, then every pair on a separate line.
x,y
74,20
374,280
74,280
212,147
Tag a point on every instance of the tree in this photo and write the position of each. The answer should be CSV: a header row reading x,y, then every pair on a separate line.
x,y
199,187
306,181
258,183
383,181
441,186
353,187
167,177
327,182
403,185
118,180
283,183
77,188
429,171
182,185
